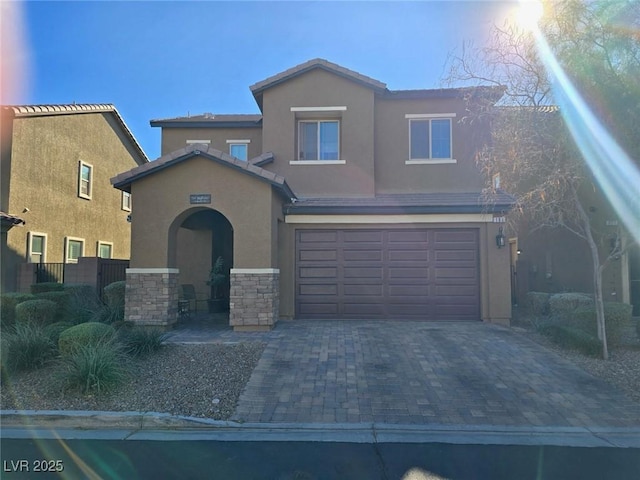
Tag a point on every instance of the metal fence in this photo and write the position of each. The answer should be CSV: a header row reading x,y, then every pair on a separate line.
x,y
49,272
110,271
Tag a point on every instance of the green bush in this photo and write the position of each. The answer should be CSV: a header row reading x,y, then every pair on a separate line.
x,y
538,303
572,338
47,287
114,294
140,341
61,299
27,347
108,314
54,330
562,305
8,302
83,302
39,311
88,333
617,317
92,368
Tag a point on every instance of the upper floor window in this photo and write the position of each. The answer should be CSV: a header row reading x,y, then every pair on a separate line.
x,y
430,138
126,201
318,140
105,249
85,180
239,149
74,249
496,181
37,247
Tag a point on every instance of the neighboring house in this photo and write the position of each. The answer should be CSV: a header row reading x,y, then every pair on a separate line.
x,y
56,164
342,199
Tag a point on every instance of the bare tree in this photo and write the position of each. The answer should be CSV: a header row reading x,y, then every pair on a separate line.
x,y
531,147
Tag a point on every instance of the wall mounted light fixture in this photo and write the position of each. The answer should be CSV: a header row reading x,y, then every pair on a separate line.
x,y
500,238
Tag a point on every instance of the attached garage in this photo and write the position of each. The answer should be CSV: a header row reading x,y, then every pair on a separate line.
x,y
403,273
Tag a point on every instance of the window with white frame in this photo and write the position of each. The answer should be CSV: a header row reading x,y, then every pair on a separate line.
x,y
239,149
37,247
126,201
85,180
430,137
73,249
318,140
105,249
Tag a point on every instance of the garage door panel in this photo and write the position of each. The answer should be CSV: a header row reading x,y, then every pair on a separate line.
x,y
429,274
362,272
362,255
314,236
318,289
375,289
318,272
408,290
318,255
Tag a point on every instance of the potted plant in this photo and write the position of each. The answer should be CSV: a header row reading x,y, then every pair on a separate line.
x,y
218,281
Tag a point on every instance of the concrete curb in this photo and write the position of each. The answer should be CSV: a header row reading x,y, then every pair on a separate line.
x,y
161,426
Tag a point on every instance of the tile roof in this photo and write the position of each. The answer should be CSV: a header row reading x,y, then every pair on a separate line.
x,y
11,219
23,111
467,202
211,120
123,180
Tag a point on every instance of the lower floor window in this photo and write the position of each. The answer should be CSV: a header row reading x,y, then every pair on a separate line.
x,y
74,249
105,249
37,247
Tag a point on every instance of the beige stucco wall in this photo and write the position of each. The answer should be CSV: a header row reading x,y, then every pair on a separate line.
x,y
45,157
162,202
392,149
319,88
176,138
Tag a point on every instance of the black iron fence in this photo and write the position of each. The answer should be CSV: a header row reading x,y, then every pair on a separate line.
x,y
110,271
49,272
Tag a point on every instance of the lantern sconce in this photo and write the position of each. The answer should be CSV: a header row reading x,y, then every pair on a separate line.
x,y
500,238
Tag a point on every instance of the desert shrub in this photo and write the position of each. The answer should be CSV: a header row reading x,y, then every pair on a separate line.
x,y
562,305
54,330
8,302
571,338
113,309
617,317
61,299
88,333
538,302
114,294
83,302
140,341
92,367
27,347
39,311
47,287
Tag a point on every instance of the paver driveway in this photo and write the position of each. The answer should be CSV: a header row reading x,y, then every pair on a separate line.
x,y
409,372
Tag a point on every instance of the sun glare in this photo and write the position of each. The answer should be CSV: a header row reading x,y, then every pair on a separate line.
x,y
529,13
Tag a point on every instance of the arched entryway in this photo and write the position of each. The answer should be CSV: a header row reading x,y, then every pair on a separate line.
x,y
197,238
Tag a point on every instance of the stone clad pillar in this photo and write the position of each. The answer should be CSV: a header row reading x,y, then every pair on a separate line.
x,y
151,297
255,298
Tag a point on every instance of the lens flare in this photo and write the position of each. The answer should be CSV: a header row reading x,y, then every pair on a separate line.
x,y
612,168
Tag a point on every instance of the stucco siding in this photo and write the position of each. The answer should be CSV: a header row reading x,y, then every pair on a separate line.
x,y
163,202
393,175
45,157
176,138
319,88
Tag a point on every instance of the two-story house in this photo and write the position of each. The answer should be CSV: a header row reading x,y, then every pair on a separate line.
x,y
56,163
342,199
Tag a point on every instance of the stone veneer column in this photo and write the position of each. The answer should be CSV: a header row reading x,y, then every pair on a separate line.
x,y
255,298
151,297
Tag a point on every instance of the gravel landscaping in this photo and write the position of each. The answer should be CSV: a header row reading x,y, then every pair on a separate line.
x,y
206,380
194,380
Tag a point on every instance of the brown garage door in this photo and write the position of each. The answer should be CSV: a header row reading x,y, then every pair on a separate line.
x,y
429,274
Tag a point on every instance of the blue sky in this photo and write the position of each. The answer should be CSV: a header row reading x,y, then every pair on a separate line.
x,y
165,59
